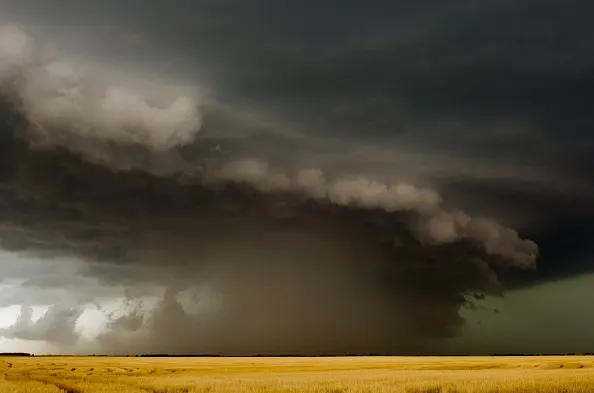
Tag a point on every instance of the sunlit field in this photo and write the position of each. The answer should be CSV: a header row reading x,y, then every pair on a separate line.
x,y
352,374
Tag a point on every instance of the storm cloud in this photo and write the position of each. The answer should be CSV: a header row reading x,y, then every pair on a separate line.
x,y
297,196
56,326
302,260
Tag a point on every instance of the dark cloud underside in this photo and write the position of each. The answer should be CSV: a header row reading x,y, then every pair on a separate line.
x,y
288,206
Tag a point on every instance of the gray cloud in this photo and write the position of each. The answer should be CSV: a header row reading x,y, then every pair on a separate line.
x,y
285,245
350,151
56,326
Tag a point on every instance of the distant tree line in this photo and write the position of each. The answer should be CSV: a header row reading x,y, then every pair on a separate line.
x,y
165,355
15,354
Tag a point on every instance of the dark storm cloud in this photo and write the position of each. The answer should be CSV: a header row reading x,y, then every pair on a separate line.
x,y
416,269
489,102
107,168
507,83
382,69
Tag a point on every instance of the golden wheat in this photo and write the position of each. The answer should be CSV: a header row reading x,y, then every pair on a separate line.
x,y
565,374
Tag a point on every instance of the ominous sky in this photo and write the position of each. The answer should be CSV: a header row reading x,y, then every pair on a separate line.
x,y
307,177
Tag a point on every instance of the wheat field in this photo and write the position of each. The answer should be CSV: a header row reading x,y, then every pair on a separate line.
x,y
333,375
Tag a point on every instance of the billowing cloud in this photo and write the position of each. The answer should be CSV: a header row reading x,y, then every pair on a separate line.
x,y
62,101
130,177
56,326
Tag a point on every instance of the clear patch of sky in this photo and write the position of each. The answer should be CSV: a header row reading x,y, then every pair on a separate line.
x,y
556,317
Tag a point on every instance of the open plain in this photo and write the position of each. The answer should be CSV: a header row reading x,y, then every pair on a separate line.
x,y
563,374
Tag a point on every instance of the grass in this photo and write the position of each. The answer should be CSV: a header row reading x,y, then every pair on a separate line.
x,y
565,374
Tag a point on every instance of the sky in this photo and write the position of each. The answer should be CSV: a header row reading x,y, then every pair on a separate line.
x,y
271,177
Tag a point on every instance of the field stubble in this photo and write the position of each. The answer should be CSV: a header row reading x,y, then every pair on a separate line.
x,y
567,374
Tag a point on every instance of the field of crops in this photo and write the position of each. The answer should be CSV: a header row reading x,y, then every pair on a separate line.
x,y
336,375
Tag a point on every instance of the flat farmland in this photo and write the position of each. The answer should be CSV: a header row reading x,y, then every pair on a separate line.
x,y
563,374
